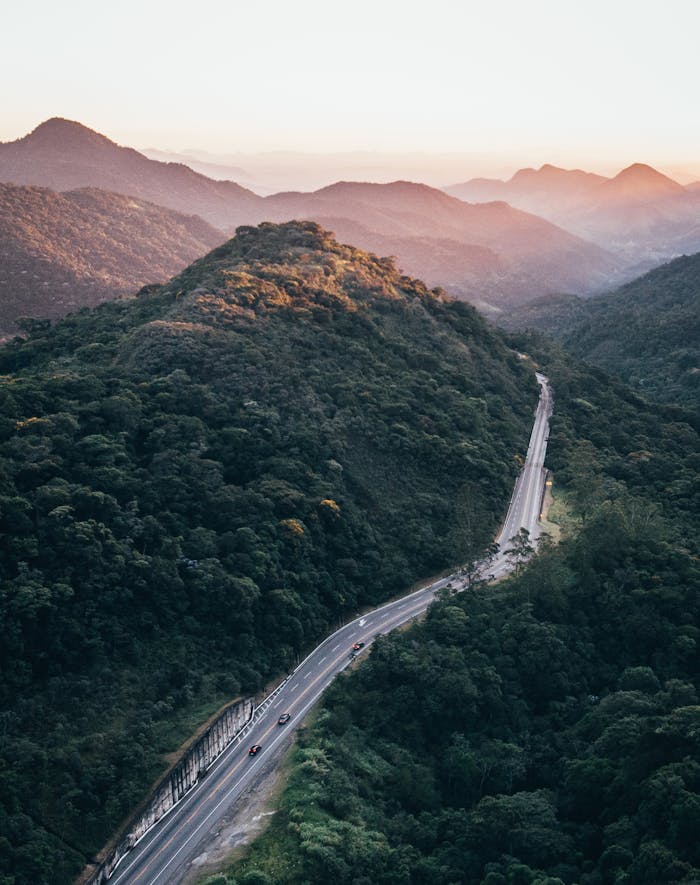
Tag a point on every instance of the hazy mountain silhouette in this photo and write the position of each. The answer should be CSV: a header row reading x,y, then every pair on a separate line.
x,y
510,253
487,253
637,182
64,155
217,171
63,251
641,214
531,189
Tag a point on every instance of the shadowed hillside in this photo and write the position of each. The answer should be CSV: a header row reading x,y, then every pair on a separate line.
x,y
199,482
60,252
647,332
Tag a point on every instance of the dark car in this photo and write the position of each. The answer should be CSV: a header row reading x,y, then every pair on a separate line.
x,y
254,750
356,646
284,718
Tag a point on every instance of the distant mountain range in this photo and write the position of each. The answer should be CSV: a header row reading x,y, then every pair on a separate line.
x,y
64,155
543,232
641,214
59,252
217,171
493,255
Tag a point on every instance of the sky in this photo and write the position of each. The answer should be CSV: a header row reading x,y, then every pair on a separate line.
x,y
499,83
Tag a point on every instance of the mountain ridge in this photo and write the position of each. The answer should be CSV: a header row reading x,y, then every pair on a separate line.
x,y
530,253
64,155
199,482
640,214
63,251
647,332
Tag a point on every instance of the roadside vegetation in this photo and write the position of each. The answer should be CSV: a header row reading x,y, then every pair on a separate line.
x,y
647,333
539,732
197,484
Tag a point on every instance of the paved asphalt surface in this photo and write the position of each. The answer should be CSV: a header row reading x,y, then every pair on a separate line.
x,y
166,851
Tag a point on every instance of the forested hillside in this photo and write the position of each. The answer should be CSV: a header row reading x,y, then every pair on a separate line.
x,y
488,254
540,732
198,483
61,252
647,332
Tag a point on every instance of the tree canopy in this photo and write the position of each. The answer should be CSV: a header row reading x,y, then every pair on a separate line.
x,y
198,483
543,730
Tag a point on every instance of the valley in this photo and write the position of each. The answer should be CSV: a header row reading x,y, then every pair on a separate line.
x,y
165,853
233,423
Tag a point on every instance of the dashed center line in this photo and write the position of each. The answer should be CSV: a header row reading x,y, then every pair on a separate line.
x,y
393,614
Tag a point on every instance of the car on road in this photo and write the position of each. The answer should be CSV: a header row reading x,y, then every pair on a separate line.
x,y
356,646
284,718
254,750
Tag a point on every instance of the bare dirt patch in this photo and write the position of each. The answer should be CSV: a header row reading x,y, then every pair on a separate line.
x,y
243,823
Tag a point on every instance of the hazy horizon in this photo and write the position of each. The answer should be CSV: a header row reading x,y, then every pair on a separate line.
x,y
445,92
434,169
272,170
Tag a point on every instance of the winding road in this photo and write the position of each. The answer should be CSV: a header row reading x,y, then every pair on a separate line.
x,y
165,853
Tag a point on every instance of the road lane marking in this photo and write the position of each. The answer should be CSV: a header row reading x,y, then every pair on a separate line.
x,y
426,593
301,714
391,621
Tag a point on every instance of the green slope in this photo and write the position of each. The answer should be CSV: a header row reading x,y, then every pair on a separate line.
x,y
647,332
198,483
541,732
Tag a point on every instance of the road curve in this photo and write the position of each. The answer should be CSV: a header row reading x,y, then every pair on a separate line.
x,y
166,851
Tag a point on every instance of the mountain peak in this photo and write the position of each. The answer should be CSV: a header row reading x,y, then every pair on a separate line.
x,y
549,175
641,180
60,133
65,155
640,170
293,265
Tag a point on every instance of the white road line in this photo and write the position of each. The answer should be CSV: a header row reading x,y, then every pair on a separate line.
x,y
322,660
418,600
276,740
277,704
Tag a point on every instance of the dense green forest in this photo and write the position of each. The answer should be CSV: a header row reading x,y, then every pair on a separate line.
x,y
198,483
538,732
647,332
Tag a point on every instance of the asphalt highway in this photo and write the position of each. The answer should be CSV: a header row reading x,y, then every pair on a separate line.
x,y
164,854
